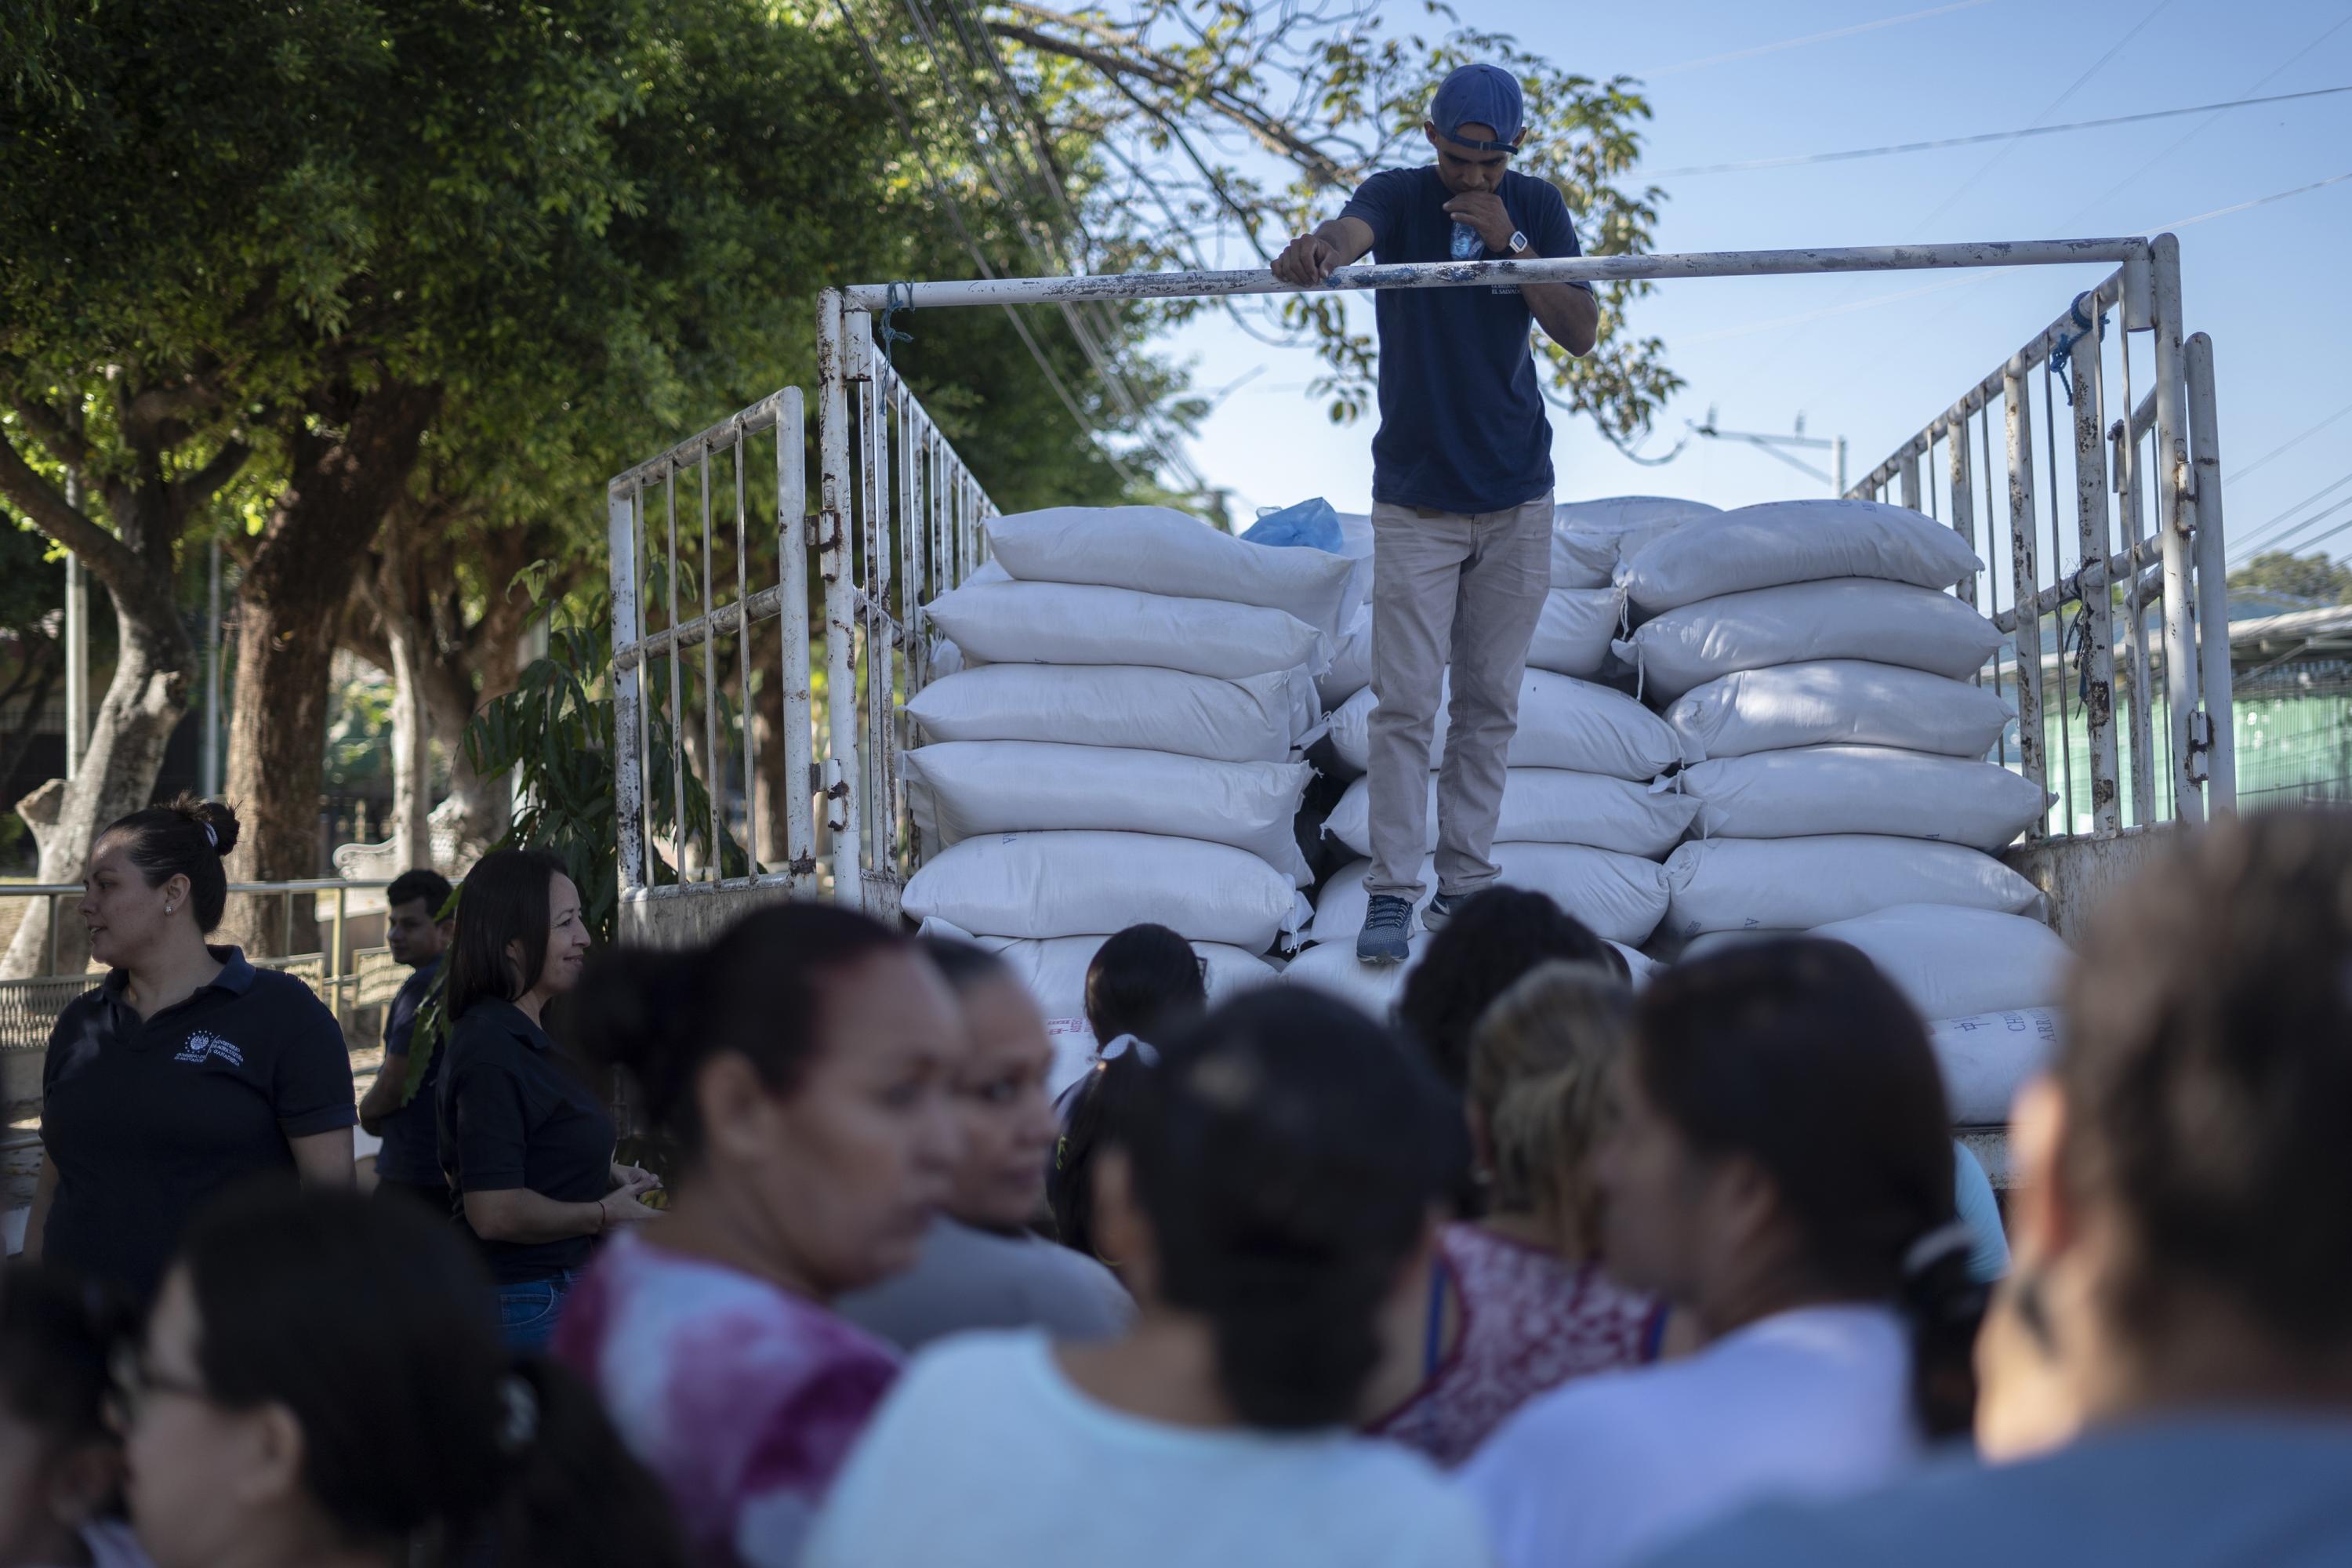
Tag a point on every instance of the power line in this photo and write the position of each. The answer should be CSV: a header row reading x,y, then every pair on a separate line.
x,y
2257,201
2263,537
2286,446
2306,540
2187,136
1981,138
963,232
1809,38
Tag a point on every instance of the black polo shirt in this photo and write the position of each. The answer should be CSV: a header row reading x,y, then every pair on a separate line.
x,y
514,1113
145,1119
412,1143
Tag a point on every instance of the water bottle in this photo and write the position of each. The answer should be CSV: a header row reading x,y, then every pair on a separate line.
x,y
1467,245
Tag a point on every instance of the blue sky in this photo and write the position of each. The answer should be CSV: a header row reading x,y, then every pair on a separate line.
x,y
2267,283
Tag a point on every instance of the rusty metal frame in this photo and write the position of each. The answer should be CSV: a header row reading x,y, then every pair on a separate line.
x,y
898,509
2183,563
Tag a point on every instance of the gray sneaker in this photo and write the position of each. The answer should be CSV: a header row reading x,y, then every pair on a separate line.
x,y
1439,910
1387,929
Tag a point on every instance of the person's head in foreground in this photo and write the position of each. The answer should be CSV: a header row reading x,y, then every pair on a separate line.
x,y
1494,937
800,1065
2179,1223
1002,1100
322,1381
1782,1141
1277,1179
2169,1368
61,1466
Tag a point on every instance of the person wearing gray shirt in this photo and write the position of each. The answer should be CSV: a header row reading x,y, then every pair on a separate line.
x,y
2167,1371
980,1267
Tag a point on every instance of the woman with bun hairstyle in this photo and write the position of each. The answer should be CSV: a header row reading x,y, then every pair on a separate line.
x,y
323,1385
185,1068
803,1066
525,1140
1273,1200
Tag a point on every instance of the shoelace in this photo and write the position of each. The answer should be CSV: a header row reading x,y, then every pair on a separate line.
x,y
1388,912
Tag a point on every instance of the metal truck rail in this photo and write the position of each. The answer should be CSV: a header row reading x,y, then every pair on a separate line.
x,y
897,514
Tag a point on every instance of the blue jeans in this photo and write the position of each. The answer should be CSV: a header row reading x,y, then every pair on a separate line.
x,y
527,1310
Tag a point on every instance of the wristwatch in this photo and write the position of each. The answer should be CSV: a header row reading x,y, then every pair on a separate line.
x,y
1518,243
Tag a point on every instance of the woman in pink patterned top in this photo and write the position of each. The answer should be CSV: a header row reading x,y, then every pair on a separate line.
x,y
802,1064
1518,1303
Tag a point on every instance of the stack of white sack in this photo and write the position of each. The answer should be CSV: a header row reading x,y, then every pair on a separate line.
x,y
1815,671
1583,821
1121,742
1579,616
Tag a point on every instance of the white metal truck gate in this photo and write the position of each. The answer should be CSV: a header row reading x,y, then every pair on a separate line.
x,y
898,522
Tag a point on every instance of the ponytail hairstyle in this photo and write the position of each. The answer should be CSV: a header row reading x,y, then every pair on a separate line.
x,y
1288,1155
758,993
1100,1105
1800,1056
1146,982
1539,1068
505,898
185,836
1496,936
374,1327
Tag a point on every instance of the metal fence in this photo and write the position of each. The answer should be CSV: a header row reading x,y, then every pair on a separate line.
x,y
29,1007
2107,608
898,521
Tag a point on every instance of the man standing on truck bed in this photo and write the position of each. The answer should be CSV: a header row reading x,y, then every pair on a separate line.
x,y
1462,483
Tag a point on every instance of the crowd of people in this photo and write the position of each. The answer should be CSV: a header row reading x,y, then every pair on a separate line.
x,y
1541,1271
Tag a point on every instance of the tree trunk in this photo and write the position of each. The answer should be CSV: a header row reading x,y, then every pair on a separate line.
x,y
344,476
412,747
143,703
155,659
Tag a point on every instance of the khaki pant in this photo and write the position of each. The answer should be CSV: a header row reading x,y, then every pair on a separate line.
x,y
1470,587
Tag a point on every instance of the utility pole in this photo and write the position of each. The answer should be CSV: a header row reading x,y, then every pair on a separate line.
x,y
212,780
76,645
1776,446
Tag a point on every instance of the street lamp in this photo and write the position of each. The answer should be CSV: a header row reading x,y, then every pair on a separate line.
x,y
1777,445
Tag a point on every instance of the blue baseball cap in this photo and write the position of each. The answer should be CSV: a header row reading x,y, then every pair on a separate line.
x,y
1479,95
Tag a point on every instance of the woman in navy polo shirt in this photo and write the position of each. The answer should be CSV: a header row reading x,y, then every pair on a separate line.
x,y
186,1069
525,1141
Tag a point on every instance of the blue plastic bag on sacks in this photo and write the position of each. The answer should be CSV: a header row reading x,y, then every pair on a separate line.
x,y
1313,523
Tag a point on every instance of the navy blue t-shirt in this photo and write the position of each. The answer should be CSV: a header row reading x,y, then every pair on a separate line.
x,y
411,1151
1461,417
146,1118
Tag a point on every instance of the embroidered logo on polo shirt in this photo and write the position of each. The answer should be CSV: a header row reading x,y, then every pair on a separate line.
x,y
204,1047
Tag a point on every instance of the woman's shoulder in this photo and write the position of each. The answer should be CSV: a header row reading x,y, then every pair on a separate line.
x,y
289,996
644,1304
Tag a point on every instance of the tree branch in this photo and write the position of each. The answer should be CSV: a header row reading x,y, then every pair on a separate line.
x,y
44,504
51,427
201,486
1162,73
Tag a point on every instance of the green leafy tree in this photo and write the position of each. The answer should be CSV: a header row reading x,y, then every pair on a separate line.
x,y
2314,577
1203,133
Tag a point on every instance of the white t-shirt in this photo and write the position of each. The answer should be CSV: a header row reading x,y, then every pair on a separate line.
x,y
1814,1403
986,1454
